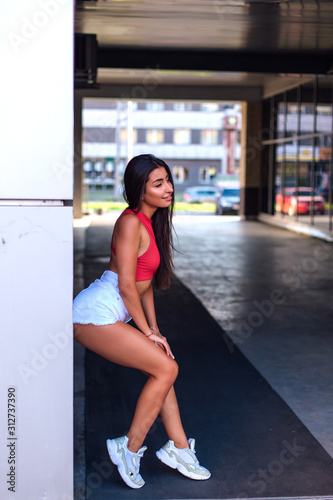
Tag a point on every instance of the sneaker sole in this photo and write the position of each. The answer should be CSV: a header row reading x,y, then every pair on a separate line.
x,y
115,459
164,457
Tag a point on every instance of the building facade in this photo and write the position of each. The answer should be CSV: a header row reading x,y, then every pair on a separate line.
x,y
297,154
199,141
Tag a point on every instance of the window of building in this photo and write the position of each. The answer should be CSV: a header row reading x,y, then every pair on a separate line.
x,y
280,120
98,166
291,119
121,166
87,166
210,107
180,174
297,172
155,106
292,109
182,136
324,118
109,166
208,137
324,110
307,119
123,135
207,174
182,106
155,136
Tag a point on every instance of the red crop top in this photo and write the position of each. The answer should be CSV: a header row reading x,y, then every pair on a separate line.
x,y
149,261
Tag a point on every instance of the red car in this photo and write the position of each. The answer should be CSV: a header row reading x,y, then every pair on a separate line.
x,y
288,204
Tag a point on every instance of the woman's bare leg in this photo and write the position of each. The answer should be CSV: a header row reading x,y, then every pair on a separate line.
x,y
171,420
126,346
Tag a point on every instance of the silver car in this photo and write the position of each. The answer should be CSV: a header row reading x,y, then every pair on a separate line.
x,y
200,194
228,201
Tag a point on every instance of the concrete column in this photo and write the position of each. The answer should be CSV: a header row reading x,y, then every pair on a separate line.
x,y
36,250
78,177
250,162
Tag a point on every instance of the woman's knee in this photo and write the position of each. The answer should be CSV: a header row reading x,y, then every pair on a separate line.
x,y
169,370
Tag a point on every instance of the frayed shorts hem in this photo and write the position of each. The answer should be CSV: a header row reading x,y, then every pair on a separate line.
x,y
99,323
100,304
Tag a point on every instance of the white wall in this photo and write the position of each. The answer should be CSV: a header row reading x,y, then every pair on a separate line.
x,y
36,123
36,276
36,350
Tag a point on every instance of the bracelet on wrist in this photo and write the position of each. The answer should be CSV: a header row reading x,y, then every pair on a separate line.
x,y
155,330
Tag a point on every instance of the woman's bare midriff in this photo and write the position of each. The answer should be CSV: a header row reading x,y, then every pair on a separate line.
x,y
142,286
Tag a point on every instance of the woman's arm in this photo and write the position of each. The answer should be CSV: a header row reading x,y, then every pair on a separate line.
x,y
127,246
148,306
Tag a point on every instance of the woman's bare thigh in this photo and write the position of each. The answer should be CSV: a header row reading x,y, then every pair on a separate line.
x,y
124,345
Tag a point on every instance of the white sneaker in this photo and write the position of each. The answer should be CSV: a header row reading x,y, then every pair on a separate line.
x,y
128,463
183,459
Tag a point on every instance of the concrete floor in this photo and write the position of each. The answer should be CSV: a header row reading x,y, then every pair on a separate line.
x,y
270,291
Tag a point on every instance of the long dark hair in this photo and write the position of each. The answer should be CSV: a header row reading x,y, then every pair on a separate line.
x,y
135,178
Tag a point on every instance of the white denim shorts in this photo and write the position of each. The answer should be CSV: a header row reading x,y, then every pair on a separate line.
x,y
100,303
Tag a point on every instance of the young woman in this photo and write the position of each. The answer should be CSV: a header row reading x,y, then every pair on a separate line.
x,y
141,248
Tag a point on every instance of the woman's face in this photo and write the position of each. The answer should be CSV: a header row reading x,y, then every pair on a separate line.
x,y
159,190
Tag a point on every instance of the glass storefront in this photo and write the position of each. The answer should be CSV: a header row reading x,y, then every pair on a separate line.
x,y
297,160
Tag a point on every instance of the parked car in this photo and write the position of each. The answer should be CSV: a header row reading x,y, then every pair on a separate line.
x,y
288,203
227,202
200,194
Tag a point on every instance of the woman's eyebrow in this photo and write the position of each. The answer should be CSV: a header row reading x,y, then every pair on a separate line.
x,y
158,180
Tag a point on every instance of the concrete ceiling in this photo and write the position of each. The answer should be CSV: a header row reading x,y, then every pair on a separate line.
x,y
267,26
262,45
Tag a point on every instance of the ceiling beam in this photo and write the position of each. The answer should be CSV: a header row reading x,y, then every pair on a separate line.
x,y
208,60
173,92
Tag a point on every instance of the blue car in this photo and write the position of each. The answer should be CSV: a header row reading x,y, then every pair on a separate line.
x,y
228,201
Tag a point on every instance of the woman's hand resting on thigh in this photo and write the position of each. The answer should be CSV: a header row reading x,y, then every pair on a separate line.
x,y
159,340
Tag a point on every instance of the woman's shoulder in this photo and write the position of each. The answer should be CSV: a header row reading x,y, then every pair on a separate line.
x,y
128,221
126,230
